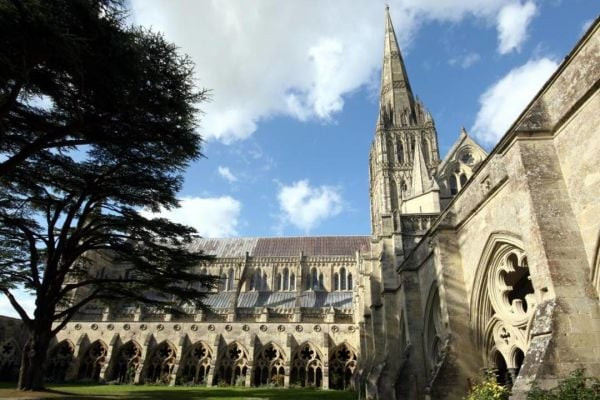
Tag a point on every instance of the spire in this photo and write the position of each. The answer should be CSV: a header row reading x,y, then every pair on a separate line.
x,y
396,100
420,176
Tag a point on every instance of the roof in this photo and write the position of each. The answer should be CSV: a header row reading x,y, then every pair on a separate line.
x,y
283,246
307,299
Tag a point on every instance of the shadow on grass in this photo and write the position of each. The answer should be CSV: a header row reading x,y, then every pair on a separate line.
x,y
95,391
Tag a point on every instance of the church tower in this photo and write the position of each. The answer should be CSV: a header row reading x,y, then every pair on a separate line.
x,y
404,155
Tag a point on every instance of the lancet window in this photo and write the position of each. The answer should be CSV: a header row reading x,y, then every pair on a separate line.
x,y
128,362
233,366
342,364
162,363
59,361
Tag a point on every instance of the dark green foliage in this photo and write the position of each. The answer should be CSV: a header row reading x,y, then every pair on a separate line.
x,y
97,121
575,387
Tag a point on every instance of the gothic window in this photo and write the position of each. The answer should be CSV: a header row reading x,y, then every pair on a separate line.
x,y
9,360
223,282
286,279
59,361
308,282
433,335
400,151
321,282
278,285
269,366
463,180
127,362
342,364
292,281
306,368
342,278
230,279
265,282
197,364
93,361
255,283
314,279
162,363
503,303
425,150
349,281
336,281
393,195
232,366
453,185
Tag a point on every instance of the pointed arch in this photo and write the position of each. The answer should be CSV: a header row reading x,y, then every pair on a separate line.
x,y
196,363
59,361
400,152
350,283
393,195
336,281
307,366
93,361
269,365
426,150
342,278
278,281
286,279
342,366
161,363
433,335
292,281
128,359
314,278
453,184
232,366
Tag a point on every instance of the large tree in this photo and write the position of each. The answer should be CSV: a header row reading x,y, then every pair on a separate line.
x,y
97,122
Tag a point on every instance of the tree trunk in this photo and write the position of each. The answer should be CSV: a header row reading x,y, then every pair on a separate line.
x,y
31,374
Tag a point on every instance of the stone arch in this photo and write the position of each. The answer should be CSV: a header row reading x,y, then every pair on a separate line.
x,y
393,195
10,360
342,365
343,278
59,361
400,152
196,363
502,302
292,281
426,149
127,362
161,363
268,365
286,279
433,334
232,366
93,361
307,366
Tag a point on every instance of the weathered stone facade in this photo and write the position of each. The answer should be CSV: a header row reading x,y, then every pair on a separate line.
x,y
476,262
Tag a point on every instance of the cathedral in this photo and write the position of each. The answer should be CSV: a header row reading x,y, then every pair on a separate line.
x,y
475,263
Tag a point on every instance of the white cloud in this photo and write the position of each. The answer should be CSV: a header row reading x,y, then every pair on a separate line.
x,y
226,173
295,58
502,103
513,21
211,216
465,61
305,206
25,299
586,25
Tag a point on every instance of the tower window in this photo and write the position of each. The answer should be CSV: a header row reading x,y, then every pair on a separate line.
x,y
400,151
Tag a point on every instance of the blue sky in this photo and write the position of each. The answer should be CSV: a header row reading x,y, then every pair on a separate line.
x,y
295,96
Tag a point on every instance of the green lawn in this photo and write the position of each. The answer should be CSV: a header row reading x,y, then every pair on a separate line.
x,y
82,391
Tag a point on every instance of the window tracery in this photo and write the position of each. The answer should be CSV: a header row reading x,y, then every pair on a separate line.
x,y
342,364
93,361
59,361
307,366
269,366
128,361
197,364
162,363
233,365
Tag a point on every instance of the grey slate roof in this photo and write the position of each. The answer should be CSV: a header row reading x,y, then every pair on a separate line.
x,y
308,299
283,246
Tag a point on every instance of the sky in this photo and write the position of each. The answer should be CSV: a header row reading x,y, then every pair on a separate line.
x,y
294,96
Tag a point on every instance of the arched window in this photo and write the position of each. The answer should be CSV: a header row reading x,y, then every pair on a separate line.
x,y
306,368
223,282
463,180
400,151
314,278
453,185
127,362
393,195
59,361
342,364
93,361
286,279
232,366
342,278
161,364
292,281
321,282
308,283
349,281
196,365
425,150
265,282
269,366
255,284
278,282
230,279
336,281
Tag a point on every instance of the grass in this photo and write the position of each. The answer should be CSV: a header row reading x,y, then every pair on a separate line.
x,y
94,391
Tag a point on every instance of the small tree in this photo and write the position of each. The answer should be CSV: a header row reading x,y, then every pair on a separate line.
x,y
97,121
488,389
